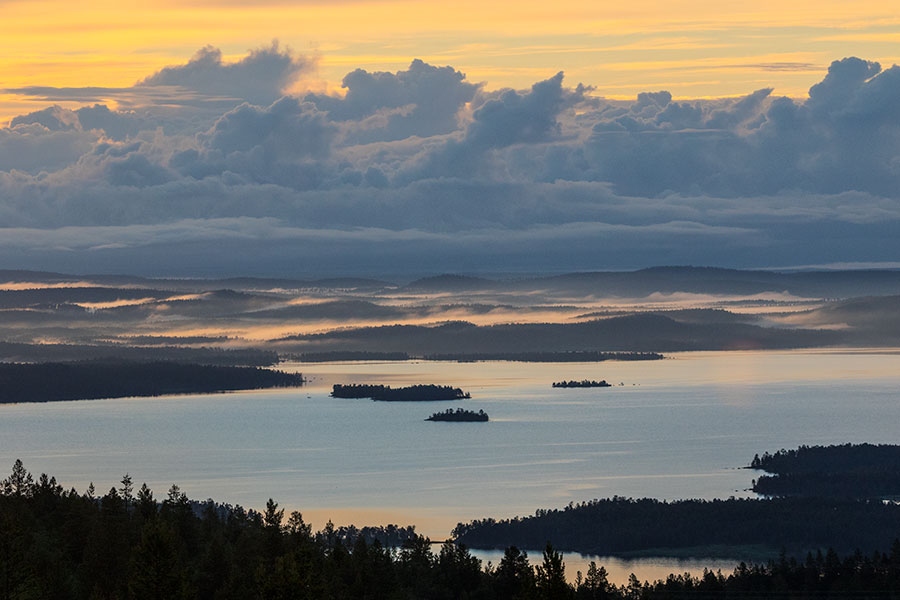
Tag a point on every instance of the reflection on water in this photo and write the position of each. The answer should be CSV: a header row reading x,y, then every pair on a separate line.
x,y
678,428
620,569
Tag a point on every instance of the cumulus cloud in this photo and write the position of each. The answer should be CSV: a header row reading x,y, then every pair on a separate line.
x,y
423,168
284,144
423,101
34,148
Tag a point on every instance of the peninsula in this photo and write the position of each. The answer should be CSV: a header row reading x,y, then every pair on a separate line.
x,y
87,380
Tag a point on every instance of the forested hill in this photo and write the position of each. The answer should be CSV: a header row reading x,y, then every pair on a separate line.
x,y
48,382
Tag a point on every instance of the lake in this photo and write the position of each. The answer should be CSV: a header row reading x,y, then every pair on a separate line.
x,y
678,428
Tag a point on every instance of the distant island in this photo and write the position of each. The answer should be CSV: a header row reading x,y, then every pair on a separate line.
x,y
51,382
460,415
339,355
413,393
584,383
847,470
573,356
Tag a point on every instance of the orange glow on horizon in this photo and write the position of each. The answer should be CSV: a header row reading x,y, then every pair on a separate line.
x,y
621,49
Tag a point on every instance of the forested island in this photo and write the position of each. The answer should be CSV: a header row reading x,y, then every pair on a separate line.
x,y
847,470
58,543
625,526
413,393
460,415
50,382
339,355
584,383
573,356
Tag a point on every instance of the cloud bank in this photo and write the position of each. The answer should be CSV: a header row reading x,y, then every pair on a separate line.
x,y
423,171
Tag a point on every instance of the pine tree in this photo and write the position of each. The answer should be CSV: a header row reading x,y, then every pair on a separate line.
x,y
126,490
20,483
551,576
146,505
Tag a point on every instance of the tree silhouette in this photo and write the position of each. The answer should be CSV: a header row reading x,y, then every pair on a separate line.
x,y
551,576
514,576
19,483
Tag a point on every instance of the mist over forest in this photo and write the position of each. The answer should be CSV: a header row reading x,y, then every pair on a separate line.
x,y
250,321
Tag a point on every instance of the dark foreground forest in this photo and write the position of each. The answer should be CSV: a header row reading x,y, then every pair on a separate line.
x,y
49,382
126,544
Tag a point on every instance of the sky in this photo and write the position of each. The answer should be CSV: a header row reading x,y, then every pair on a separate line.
x,y
219,137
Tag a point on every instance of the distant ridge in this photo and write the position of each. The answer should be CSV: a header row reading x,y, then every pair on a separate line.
x,y
672,279
238,283
451,282
639,283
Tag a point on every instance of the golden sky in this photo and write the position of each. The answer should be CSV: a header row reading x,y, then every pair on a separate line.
x,y
693,48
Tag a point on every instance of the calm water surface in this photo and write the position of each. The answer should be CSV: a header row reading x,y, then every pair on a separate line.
x,y
677,428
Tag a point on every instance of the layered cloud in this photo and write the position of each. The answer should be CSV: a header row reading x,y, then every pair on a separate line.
x,y
422,170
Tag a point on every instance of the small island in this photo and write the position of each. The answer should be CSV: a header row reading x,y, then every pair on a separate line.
x,y
584,383
413,393
460,415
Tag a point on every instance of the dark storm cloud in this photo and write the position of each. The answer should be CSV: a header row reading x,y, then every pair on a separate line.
x,y
422,168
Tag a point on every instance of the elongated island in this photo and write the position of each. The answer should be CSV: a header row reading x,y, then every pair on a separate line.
x,y
413,393
584,383
460,415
